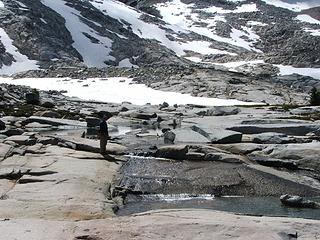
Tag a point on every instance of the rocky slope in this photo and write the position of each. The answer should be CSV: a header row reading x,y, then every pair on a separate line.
x,y
40,33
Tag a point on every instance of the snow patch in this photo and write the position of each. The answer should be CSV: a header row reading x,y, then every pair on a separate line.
x,y
308,19
194,59
118,90
252,7
22,62
180,14
313,32
125,63
93,54
311,72
123,13
1,4
233,65
256,23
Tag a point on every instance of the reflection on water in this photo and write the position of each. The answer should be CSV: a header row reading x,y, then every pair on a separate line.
x,y
266,206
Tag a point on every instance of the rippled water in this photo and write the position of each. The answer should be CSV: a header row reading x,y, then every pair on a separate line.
x,y
258,206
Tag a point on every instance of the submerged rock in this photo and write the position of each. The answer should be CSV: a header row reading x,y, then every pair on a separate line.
x,y
298,202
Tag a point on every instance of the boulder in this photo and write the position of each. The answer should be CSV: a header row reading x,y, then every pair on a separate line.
x,y
215,135
22,140
12,132
297,202
169,137
173,152
50,114
33,98
48,104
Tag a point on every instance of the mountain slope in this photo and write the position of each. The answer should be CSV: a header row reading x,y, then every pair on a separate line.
x,y
127,33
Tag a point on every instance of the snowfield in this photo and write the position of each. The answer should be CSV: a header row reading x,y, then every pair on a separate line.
x,y
22,62
296,7
125,14
311,72
118,90
308,19
94,55
180,15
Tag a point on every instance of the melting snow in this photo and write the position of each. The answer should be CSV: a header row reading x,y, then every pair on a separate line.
x,y
241,9
178,13
93,54
22,62
128,15
256,23
311,72
125,63
308,19
118,90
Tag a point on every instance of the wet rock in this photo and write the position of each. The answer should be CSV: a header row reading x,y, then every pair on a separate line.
x,y
297,202
172,152
169,137
164,105
215,135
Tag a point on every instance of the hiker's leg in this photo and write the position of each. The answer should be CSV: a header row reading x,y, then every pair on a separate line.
x,y
103,144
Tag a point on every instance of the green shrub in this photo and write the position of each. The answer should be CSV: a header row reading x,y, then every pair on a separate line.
x,y
315,97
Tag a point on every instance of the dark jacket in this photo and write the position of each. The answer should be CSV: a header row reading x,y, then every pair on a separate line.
x,y
104,129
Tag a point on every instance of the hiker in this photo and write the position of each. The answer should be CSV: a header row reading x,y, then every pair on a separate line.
x,y
103,132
